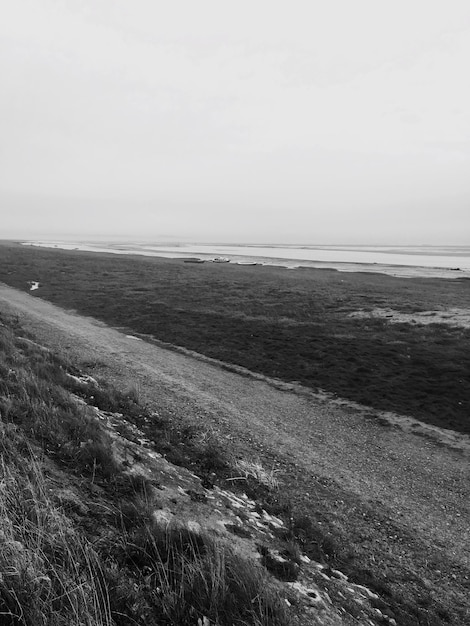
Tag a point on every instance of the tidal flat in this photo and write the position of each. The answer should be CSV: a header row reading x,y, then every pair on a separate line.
x,y
315,327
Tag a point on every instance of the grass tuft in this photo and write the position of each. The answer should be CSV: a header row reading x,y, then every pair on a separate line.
x,y
195,576
255,470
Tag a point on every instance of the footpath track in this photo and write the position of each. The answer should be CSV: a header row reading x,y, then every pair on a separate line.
x,y
322,449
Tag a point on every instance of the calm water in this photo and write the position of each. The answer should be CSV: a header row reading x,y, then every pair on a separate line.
x,y
431,261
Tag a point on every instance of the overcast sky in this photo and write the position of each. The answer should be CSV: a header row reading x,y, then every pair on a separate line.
x,y
309,121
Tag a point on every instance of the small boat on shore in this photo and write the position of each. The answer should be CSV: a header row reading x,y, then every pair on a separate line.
x,y
247,263
193,260
220,259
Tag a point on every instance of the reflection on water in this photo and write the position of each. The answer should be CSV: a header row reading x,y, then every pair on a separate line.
x,y
407,261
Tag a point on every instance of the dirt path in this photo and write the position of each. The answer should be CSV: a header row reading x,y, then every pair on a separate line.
x,y
409,479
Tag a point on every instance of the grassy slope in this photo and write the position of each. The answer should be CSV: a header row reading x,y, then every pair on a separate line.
x,y
71,557
291,325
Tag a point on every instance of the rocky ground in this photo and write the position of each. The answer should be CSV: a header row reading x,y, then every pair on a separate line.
x,y
318,593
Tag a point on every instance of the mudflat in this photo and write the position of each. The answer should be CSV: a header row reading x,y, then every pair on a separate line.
x,y
396,503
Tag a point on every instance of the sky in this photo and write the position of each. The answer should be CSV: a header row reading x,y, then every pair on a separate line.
x,y
250,121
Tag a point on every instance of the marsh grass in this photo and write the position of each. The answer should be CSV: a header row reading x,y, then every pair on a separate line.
x,y
294,326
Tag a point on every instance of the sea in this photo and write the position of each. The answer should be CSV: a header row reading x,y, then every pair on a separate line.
x,y
406,261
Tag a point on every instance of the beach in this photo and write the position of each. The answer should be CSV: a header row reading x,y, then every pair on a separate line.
x,y
406,261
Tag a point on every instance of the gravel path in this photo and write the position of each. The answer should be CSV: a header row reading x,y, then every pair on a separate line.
x,y
345,449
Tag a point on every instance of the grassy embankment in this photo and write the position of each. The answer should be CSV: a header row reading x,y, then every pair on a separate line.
x,y
294,325
77,541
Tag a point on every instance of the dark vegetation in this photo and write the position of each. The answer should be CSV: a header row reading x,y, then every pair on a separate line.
x,y
77,542
293,325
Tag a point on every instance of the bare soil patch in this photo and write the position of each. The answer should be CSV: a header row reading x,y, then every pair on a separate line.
x,y
458,318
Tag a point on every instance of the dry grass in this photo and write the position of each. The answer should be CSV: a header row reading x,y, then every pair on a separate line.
x,y
255,470
49,574
195,577
32,395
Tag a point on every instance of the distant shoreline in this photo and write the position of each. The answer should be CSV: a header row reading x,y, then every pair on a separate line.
x,y
406,262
